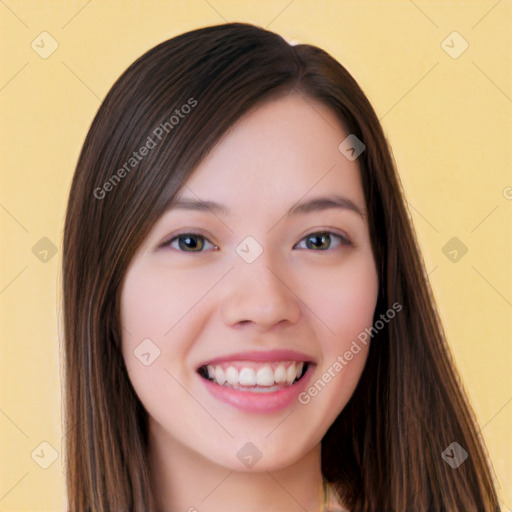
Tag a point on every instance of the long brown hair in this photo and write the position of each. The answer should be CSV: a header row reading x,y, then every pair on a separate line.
x,y
383,452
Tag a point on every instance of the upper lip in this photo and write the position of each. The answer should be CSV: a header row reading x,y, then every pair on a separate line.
x,y
261,356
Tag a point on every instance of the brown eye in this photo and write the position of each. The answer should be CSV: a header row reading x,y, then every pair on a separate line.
x,y
323,241
188,242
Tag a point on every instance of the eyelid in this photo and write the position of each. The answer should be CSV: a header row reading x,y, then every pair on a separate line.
x,y
194,233
344,239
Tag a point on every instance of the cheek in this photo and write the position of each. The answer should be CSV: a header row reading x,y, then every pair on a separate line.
x,y
355,301
344,300
154,300
149,309
155,312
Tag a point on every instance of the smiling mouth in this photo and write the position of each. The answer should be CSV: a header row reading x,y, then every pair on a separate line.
x,y
261,378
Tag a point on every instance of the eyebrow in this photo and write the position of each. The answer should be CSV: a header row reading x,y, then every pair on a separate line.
x,y
312,205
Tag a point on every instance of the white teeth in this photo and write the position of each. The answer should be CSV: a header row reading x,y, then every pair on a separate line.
x,y
280,374
291,373
247,377
263,376
232,375
219,376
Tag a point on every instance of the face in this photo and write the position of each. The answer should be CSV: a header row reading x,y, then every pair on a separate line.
x,y
265,293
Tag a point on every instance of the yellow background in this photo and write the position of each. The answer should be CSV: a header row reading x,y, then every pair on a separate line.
x,y
448,121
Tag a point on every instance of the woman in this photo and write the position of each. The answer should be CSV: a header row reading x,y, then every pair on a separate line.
x,y
248,322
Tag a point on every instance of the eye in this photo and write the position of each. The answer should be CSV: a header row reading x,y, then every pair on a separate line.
x,y
194,242
188,242
322,240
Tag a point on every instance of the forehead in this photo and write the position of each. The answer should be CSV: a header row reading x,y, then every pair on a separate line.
x,y
282,150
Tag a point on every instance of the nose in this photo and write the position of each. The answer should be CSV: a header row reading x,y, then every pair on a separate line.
x,y
259,295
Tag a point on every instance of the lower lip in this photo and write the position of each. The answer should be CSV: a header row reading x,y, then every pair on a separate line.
x,y
250,401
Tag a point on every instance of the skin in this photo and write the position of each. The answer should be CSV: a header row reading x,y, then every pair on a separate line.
x,y
199,305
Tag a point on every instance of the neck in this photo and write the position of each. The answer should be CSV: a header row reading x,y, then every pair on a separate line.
x,y
184,480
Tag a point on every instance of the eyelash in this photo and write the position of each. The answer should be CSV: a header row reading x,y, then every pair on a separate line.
x,y
343,240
